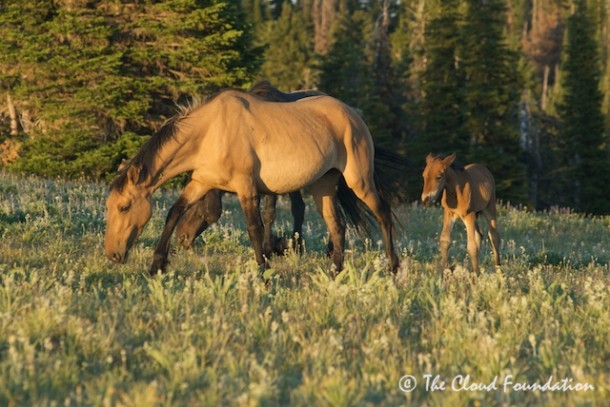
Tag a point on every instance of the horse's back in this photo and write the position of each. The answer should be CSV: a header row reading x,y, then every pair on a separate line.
x,y
287,145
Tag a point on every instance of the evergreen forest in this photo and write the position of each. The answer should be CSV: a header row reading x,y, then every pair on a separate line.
x,y
522,86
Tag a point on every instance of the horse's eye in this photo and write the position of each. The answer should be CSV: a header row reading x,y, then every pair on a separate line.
x,y
439,177
124,208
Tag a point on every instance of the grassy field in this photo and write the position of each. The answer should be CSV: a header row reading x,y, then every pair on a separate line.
x,y
76,330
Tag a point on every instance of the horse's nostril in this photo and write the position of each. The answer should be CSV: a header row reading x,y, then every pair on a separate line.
x,y
116,257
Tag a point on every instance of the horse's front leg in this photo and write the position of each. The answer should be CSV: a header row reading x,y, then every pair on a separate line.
x,y
474,240
250,204
190,194
445,239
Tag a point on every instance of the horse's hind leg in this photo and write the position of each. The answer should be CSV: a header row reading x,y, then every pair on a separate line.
x,y
250,204
367,193
297,207
324,194
494,236
269,213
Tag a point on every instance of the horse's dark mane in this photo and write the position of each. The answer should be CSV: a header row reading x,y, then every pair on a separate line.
x,y
144,158
266,91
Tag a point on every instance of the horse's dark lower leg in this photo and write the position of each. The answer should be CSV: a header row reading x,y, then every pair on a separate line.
x,y
162,250
383,214
269,213
327,206
297,207
325,196
250,205
387,229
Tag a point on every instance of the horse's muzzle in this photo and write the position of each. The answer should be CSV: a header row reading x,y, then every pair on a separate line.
x,y
117,258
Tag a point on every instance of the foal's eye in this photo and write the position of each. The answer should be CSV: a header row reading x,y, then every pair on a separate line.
x,y
124,208
439,177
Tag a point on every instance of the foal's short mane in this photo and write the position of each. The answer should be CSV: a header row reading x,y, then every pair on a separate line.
x,y
457,167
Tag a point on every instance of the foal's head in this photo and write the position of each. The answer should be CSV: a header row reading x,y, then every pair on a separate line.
x,y
434,178
128,210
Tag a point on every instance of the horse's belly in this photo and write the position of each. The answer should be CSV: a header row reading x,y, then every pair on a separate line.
x,y
290,175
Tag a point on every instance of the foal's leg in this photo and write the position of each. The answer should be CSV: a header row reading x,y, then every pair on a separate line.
x,y
270,201
445,239
471,231
297,207
191,193
494,236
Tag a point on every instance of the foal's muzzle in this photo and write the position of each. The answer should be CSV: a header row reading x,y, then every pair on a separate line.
x,y
427,200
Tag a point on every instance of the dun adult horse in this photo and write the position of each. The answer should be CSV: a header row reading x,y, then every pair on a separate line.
x,y
240,143
207,211
466,193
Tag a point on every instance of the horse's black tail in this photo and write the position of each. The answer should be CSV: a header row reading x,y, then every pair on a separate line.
x,y
389,168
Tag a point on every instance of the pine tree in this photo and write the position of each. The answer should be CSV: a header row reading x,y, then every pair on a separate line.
x,y
92,80
289,55
443,84
386,79
346,73
492,92
582,134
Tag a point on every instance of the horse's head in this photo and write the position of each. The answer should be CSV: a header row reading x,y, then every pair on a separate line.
x,y
434,178
128,209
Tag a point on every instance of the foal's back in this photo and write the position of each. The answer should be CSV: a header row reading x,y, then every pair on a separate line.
x,y
482,187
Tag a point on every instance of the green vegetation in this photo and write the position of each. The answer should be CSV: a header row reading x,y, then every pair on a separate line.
x,y
521,86
76,330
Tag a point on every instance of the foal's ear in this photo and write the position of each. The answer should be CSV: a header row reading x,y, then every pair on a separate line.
x,y
429,158
447,161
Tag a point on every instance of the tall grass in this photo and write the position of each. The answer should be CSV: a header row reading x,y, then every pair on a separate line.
x,y
76,330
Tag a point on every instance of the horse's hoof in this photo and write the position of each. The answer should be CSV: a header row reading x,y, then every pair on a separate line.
x,y
281,246
158,266
184,241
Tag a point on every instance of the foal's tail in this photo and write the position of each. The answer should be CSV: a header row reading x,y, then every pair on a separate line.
x,y
388,168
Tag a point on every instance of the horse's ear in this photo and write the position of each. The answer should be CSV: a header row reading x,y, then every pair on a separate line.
x,y
447,161
429,158
133,174
122,165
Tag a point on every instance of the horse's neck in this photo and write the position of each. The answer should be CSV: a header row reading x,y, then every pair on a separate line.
x,y
175,158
